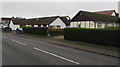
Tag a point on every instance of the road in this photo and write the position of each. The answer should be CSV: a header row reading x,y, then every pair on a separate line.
x,y
23,51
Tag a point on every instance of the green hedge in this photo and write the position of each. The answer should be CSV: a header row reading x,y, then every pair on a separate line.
x,y
6,29
56,32
35,30
108,36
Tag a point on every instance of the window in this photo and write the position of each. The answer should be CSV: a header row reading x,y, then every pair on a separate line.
x,y
52,26
79,25
106,24
39,25
113,24
32,25
58,26
45,25
21,26
99,25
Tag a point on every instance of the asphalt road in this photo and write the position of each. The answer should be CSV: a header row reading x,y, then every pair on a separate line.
x,y
23,51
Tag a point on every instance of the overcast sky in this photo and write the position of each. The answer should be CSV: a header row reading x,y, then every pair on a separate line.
x,y
60,0
41,9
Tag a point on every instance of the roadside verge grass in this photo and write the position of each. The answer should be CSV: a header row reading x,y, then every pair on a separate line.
x,y
115,49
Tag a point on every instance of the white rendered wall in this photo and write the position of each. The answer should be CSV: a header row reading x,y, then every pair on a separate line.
x,y
92,24
113,14
72,24
27,25
35,25
83,24
58,21
14,27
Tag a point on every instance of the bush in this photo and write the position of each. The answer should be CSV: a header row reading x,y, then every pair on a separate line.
x,y
35,30
6,29
56,32
98,36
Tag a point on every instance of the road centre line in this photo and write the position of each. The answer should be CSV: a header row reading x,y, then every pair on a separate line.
x,y
4,37
13,40
18,42
63,58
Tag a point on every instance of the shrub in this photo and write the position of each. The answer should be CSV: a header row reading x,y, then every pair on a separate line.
x,y
35,30
99,36
6,29
56,32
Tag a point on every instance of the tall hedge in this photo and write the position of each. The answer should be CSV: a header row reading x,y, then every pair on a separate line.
x,y
6,29
56,32
107,36
35,30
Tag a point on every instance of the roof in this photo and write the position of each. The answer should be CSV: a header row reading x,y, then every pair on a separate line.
x,y
44,20
3,18
39,21
66,20
19,21
108,12
33,21
48,20
90,16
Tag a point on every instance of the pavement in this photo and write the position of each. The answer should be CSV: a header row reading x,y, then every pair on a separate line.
x,y
25,50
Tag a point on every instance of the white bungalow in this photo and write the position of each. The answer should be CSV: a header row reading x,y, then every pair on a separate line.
x,y
4,21
84,19
55,22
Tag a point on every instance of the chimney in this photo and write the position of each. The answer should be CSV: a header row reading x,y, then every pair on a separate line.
x,y
68,18
12,17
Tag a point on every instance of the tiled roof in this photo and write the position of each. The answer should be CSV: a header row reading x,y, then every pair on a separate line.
x,y
6,20
39,21
108,12
66,20
44,20
90,16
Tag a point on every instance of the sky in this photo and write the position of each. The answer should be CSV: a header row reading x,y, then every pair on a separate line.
x,y
119,8
29,9
60,0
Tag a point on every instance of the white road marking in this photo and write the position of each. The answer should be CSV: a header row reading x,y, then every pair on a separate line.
x,y
4,37
63,58
13,40
18,42
56,55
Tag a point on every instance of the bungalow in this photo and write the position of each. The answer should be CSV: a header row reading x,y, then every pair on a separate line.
x,y
17,23
4,22
55,22
86,19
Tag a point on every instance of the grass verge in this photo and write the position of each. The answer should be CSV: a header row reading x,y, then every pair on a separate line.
x,y
91,45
